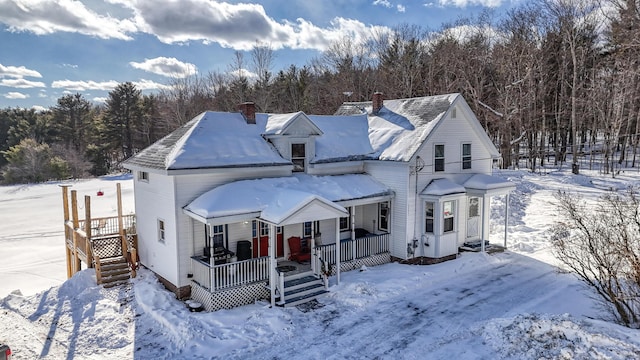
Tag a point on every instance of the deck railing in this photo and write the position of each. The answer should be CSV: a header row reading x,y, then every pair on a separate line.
x,y
109,225
362,247
218,277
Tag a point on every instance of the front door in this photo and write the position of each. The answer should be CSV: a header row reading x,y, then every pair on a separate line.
x,y
261,240
473,218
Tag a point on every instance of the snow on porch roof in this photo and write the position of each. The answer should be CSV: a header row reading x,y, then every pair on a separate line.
x,y
275,198
440,187
488,183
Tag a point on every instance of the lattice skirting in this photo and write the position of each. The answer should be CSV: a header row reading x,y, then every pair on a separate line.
x,y
374,260
229,298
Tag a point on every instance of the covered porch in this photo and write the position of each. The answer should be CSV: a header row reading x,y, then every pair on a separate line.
x,y
283,243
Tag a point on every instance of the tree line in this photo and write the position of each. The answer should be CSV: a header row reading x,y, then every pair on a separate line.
x,y
546,80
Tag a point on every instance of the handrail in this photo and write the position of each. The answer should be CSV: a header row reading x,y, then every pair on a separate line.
x,y
364,247
229,275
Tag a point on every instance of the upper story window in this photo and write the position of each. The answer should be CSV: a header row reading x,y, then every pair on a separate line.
x,y
438,158
298,155
143,176
466,156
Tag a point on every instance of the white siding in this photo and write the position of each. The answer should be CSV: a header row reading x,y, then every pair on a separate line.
x,y
396,176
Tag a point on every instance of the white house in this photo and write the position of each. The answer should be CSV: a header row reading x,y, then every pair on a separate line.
x,y
233,207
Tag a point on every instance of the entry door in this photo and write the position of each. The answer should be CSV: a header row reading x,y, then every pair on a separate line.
x,y
261,240
473,218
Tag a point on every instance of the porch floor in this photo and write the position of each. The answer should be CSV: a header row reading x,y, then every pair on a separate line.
x,y
298,268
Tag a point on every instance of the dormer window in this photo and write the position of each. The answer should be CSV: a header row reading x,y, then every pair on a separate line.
x,y
298,155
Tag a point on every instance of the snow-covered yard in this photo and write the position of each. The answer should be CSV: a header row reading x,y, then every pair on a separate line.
x,y
511,305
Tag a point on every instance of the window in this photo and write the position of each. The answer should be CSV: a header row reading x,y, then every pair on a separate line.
x,y
161,231
307,228
383,216
143,176
217,236
466,156
428,217
438,159
448,214
298,154
345,222
264,229
473,207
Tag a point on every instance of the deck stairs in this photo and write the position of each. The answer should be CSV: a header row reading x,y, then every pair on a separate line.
x,y
112,271
301,288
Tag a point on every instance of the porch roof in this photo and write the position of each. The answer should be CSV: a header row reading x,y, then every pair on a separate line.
x,y
284,200
441,187
489,184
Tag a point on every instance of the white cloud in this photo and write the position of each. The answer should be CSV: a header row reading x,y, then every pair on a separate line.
x,y
384,3
401,8
15,95
84,85
144,84
39,108
73,66
18,72
99,99
43,17
465,3
169,67
21,83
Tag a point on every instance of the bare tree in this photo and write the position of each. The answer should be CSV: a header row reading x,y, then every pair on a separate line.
x,y
600,243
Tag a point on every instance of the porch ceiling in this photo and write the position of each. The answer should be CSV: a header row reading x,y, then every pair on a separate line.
x,y
286,199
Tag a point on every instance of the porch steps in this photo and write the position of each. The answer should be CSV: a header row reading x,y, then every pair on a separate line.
x,y
114,272
302,288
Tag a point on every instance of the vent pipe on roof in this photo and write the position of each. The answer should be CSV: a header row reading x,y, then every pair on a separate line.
x,y
248,110
377,102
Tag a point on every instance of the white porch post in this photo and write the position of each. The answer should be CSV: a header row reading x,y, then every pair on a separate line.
x,y
485,213
338,250
353,233
272,263
506,219
313,247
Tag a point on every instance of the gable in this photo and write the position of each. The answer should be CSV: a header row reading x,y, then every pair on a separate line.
x,y
293,124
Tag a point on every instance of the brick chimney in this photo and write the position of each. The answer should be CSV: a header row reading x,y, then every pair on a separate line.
x,y
377,102
248,109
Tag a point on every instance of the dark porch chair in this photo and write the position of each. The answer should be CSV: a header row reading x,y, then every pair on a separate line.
x,y
300,250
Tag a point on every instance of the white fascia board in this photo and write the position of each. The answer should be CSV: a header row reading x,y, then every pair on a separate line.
x,y
365,201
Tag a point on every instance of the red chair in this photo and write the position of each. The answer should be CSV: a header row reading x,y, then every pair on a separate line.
x,y
300,251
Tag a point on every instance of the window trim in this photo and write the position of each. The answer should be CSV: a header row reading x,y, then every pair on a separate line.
x,y
438,161
386,216
446,216
466,159
429,217
316,228
296,159
162,231
143,176
348,221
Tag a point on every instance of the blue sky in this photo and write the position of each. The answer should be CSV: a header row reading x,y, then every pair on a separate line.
x,y
54,47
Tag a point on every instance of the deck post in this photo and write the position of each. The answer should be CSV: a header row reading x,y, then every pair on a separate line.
x,y
485,214
313,247
123,238
353,233
338,250
67,232
76,224
272,264
87,230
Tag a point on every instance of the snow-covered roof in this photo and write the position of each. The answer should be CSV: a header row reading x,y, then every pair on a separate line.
x,y
441,187
211,140
274,198
488,182
345,137
401,125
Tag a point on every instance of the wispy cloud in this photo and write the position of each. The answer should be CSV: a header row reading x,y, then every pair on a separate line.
x,y
465,3
21,83
43,17
169,67
98,99
17,72
16,95
384,3
74,85
400,8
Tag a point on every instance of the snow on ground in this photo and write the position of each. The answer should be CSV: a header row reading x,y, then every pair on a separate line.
x,y
511,305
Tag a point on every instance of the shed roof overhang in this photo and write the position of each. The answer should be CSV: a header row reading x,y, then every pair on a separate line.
x,y
483,184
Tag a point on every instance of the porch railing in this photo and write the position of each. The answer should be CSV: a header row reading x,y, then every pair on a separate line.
x,y
354,249
224,276
109,225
